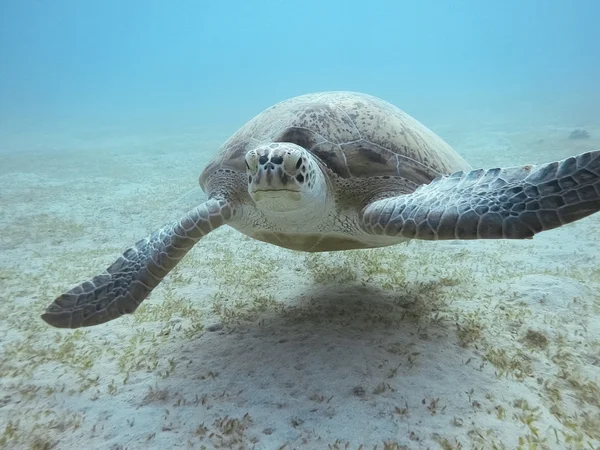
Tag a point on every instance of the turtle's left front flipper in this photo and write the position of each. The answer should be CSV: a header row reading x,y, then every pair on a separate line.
x,y
129,280
511,203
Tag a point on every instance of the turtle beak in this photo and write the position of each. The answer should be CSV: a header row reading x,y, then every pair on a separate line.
x,y
279,194
271,178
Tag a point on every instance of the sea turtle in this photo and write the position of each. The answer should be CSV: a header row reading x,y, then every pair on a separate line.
x,y
337,171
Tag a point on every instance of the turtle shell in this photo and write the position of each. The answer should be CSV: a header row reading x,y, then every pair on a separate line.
x,y
354,135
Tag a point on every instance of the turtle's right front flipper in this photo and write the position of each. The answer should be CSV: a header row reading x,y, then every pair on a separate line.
x,y
510,203
129,280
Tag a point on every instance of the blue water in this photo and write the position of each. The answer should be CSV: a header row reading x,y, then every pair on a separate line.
x,y
197,64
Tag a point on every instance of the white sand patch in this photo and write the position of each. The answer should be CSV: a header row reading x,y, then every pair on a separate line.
x,y
245,345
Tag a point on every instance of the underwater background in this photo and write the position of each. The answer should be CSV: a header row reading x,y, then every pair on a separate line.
x,y
110,110
139,65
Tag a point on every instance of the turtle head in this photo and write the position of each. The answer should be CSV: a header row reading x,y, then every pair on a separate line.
x,y
284,177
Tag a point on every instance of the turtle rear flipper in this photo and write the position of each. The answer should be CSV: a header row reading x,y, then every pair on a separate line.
x,y
129,280
511,203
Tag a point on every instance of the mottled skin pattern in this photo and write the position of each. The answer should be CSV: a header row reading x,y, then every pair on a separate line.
x,y
129,280
335,171
368,148
511,203
354,135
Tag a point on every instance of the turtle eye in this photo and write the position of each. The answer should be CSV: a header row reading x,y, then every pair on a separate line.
x,y
251,161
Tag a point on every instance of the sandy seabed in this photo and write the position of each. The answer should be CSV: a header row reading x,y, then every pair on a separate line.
x,y
486,344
